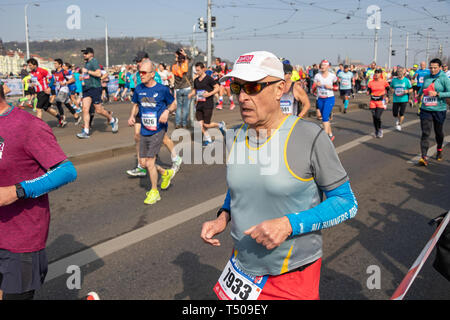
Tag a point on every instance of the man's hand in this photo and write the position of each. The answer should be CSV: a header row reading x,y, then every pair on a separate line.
x,y
164,116
271,233
214,227
131,121
7,195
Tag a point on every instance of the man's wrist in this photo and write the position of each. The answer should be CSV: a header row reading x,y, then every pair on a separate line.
x,y
224,211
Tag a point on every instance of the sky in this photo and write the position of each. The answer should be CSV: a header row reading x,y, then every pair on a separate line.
x,y
303,31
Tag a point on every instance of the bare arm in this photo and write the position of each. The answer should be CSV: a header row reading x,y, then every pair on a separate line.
x,y
302,96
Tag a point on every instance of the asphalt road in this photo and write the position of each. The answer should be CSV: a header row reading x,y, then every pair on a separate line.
x,y
396,200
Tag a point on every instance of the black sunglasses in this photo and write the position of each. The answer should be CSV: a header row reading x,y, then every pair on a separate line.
x,y
250,87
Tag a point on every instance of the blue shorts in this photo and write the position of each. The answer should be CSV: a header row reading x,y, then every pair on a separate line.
x,y
325,105
94,93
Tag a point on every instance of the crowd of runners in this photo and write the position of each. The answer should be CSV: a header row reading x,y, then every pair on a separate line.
x,y
190,91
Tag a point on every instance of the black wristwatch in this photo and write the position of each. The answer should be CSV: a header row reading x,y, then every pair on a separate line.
x,y
20,192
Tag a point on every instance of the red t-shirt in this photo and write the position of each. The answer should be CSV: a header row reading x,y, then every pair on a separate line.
x,y
39,79
378,89
28,149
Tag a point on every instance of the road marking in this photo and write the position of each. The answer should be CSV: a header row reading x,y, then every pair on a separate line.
x,y
431,151
59,267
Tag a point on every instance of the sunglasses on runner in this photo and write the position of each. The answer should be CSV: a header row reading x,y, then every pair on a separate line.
x,y
250,87
144,73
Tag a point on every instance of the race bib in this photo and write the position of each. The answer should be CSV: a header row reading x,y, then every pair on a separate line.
x,y
233,284
345,83
421,79
399,91
200,95
430,101
322,92
286,107
150,121
34,80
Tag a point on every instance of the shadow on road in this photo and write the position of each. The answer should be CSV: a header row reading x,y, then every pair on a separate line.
x,y
198,278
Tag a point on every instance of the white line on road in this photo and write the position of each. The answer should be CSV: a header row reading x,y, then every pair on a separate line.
x,y
59,267
431,151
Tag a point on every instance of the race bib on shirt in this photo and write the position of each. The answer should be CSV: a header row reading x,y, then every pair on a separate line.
x,y
233,284
345,83
286,106
322,92
200,95
399,91
430,101
421,79
150,121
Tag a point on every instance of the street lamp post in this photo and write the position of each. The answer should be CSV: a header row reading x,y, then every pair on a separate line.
x,y
106,41
26,28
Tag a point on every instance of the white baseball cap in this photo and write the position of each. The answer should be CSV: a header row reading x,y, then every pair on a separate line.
x,y
254,66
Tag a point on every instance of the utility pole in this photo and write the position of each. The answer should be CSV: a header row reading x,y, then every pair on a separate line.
x,y
375,46
428,46
209,35
390,49
440,51
406,50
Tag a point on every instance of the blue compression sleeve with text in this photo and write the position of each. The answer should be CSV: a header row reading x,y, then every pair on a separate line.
x,y
227,203
53,179
339,206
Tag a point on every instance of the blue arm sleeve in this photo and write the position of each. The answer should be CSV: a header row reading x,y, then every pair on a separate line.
x,y
53,179
339,206
227,203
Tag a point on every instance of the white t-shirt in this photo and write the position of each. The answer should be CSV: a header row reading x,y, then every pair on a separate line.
x,y
448,74
322,92
164,75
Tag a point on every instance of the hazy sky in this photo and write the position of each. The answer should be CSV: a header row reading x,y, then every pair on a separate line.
x,y
301,31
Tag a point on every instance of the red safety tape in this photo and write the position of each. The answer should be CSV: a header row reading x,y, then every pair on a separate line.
x,y
407,281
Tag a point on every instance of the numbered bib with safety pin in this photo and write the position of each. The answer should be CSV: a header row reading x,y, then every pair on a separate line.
x,y
286,106
233,284
323,93
399,91
150,121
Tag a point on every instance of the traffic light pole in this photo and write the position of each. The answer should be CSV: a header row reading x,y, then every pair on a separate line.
x,y
390,49
209,35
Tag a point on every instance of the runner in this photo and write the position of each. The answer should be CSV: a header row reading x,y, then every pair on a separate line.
x,y
39,79
419,76
180,70
276,216
293,94
433,93
378,89
63,93
31,165
446,71
225,88
346,80
140,171
92,94
154,102
324,82
413,97
204,89
71,82
402,87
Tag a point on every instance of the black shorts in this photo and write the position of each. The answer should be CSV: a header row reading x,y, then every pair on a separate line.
x,y
30,91
346,92
121,85
22,272
416,88
43,101
398,108
94,93
204,114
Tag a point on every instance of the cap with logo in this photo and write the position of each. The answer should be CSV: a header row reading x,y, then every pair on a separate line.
x,y
254,66
87,50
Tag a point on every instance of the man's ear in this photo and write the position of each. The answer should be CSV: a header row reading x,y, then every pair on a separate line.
x,y
279,89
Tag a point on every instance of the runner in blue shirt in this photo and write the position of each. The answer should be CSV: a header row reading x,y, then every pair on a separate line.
x,y
419,76
346,80
154,102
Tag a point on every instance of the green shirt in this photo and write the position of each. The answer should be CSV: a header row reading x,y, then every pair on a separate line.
x,y
441,85
400,86
89,80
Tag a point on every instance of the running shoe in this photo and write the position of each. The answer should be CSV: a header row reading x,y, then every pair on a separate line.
x,y
439,155
83,135
137,172
115,125
232,106
206,142
152,197
177,164
222,127
62,123
78,110
166,178
78,120
332,138
220,105
380,134
423,161
92,296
